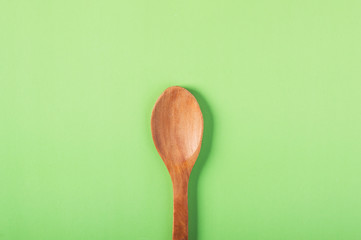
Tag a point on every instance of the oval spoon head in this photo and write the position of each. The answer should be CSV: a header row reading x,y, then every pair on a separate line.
x,y
177,128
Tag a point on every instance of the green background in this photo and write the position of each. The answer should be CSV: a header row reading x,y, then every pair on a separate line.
x,y
279,86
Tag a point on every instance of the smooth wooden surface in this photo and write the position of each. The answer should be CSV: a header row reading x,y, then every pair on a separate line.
x,y
177,129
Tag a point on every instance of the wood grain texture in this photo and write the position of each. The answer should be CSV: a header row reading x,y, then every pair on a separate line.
x,y
177,130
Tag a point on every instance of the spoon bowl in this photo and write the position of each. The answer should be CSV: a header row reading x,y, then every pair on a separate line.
x,y
177,130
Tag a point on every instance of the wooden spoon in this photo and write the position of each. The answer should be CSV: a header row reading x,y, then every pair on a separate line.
x,y
177,129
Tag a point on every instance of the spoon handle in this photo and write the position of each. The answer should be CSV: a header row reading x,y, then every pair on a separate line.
x,y
180,208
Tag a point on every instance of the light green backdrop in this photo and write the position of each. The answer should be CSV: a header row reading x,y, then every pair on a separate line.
x,y
279,86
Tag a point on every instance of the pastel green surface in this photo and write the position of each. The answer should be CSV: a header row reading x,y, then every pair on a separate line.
x,y
279,86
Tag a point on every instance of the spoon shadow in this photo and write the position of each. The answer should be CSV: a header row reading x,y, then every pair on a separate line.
x,y
203,155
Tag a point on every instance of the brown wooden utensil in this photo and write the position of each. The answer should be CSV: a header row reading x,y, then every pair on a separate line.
x,y
177,130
